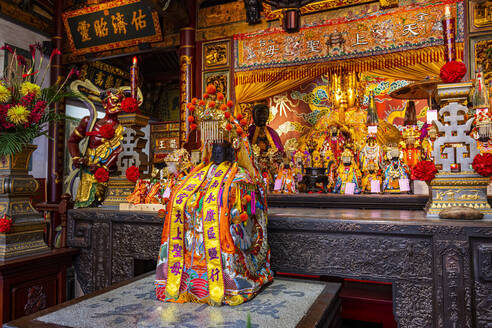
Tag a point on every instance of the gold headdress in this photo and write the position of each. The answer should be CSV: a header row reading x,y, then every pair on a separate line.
x,y
215,118
411,132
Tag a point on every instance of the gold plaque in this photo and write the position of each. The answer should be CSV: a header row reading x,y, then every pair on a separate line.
x,y
215,54
218,78
481,13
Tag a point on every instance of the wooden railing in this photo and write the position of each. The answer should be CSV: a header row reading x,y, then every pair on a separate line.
x,y
56,215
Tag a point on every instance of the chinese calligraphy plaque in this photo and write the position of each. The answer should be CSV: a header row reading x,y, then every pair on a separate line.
x,y
111,25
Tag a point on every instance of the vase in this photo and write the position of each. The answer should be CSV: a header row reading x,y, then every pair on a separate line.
x,y
26,235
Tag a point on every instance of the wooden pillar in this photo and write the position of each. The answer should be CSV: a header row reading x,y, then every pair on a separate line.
x,y
186,68
56,145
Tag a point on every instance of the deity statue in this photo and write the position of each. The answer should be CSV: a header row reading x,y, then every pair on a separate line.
x,y
262,135
370,159
104,144
214,242
286,180
395,173
410,146
347,173
371,178
428,137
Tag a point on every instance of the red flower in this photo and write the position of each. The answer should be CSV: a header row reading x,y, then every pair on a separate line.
x,y
129,105
21,60
194,101
239,130
227,114
211,104
101,175
482,164
205,96
5,224
54,53
8,48
211,89
239,116
191,118
243,122
228,127
223,107
106,131
193,126
220,96
230,104
132,173
161,213
453,71
201,103
192,108
424,170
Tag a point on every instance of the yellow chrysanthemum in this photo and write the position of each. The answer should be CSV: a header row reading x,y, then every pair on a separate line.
x,y
4,94
28,87
18,114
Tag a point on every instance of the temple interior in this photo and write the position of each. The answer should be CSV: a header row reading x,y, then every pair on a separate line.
x,y
245,163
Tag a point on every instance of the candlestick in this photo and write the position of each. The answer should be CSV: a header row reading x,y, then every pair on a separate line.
x,y
133,78
448,26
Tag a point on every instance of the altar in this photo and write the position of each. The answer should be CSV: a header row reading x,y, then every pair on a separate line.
x,y
437,268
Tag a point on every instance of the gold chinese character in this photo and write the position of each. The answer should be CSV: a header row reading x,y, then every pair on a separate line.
x,y
139,21
99,79
119,24
83,29
101,28
109,82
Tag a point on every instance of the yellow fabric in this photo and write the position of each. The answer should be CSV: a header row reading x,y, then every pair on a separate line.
x,y
210,216
412,65
177,232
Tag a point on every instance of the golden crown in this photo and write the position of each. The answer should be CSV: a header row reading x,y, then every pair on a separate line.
x,y
411,132
215,118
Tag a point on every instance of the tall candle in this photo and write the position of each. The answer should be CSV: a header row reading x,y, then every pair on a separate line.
x,y
448,26
133,78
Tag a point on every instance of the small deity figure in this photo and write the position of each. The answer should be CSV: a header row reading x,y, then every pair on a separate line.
x,y
396,172
370,158
335,143
286,180
372,173
428,137
297,166
410,146
104,145
347,173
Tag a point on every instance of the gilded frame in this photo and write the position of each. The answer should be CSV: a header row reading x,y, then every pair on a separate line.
x,y
477,22
219,78
223,60
477,46
312,7
113,45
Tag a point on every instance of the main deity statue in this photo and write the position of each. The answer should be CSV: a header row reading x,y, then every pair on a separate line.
x,y
98,157
214,245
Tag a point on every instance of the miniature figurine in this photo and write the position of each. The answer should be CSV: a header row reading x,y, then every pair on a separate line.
x,y
396,173
410,146
348,174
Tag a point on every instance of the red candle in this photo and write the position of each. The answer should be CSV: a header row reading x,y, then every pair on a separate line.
x,y
133,78
448,26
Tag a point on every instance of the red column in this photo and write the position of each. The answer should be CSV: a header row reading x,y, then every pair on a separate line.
x,y
186,55
56,151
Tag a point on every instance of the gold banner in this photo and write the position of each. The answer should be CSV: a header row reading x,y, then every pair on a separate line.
x,y
211,236
175,262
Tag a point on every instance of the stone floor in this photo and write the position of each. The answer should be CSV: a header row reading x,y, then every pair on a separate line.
x,y
282,304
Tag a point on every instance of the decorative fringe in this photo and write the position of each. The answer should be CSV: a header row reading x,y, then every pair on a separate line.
x,y
380,62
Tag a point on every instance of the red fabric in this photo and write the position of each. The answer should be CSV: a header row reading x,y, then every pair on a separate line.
x,y
482,164
453,71
129,105
424,170
101,175
132,173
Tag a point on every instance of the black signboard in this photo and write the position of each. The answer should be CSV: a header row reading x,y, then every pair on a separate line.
x,y
111,25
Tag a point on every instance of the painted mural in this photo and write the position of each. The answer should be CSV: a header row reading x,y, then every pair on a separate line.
x,y
292,113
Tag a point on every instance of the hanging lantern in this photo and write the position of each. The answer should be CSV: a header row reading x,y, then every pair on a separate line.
x,y
291,20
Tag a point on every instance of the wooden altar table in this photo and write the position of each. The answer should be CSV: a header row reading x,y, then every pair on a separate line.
x,y
441,271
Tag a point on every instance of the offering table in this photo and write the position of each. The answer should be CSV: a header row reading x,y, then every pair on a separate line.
x,y
441,271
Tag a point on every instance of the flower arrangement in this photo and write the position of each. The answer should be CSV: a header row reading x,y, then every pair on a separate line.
x,y
482,164
5,224
101,175
132,173
24,105
452,71
424,171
